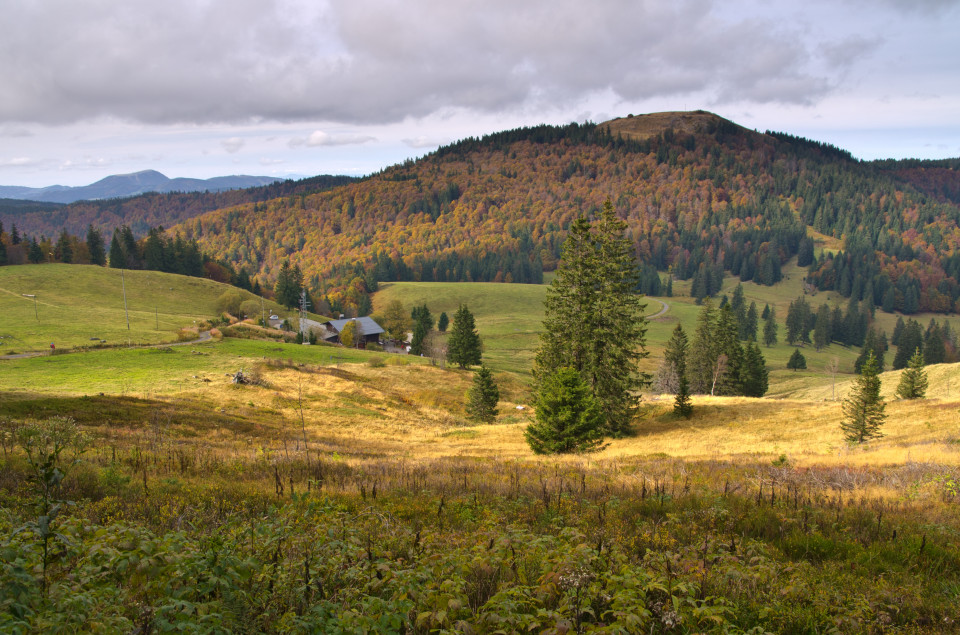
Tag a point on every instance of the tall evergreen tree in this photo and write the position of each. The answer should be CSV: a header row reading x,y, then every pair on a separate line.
x,y
770,328
754,376
703,351
873,344
442,322
463,344
594,319
911,339
749,330
913,379
34,252
823,327
64,248
726,337
676,356
569,418
98,255
483,396
117,258
863,410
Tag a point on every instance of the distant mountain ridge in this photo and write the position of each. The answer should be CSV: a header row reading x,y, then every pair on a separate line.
x,y
124,185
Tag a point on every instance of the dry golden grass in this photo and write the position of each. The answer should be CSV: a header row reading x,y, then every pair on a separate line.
x,y
416,413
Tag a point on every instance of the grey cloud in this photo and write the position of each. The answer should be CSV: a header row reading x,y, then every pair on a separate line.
x,y
371,61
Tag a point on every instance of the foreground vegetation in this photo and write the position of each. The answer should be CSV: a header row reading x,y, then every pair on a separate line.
x,y
346,491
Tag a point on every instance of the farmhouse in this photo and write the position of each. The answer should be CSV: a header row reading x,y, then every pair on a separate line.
x,y
367,329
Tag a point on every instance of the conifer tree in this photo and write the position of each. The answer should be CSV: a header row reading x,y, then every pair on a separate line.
x,y
823,327
117,258
913,380
463,344
797,361
703,351
442,322
98,255
754,377
726,339
676,356
569,418
483,396
863,410
910,340
749,330
770,328
594,318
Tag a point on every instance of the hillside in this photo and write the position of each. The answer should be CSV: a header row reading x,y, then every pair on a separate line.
x,y
148,210
702,197
80,305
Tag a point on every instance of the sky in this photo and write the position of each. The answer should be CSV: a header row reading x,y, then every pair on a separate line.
x,y
292,88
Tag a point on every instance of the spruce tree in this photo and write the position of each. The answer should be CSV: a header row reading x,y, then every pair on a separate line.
x,y
594,318
618,325
726,339
754,377
913,380
569,418
463,344
442,322
797,361
483,396
98,255
770,328
703,351
117,258
863,410
676,357
749,331
910,340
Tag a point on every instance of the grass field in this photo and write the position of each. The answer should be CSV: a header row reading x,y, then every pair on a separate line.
x,y
346,491
78,305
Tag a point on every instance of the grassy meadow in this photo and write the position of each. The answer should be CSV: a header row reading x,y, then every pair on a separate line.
x,y
347,491
79,305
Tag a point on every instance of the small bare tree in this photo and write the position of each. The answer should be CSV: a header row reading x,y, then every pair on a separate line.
x,y
719,370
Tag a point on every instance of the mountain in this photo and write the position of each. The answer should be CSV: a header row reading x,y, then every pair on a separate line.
x,y
148,210
702,196
122,185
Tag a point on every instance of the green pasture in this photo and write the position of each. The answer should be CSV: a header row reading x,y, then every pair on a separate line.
x,y
79,305
157,371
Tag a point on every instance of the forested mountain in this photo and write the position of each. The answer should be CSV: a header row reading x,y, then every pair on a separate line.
x,y
148,210
702,198
701,195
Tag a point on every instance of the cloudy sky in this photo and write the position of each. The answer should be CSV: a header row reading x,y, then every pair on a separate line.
x,y
301,87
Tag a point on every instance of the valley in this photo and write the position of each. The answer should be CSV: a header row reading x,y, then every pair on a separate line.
x,y
337,489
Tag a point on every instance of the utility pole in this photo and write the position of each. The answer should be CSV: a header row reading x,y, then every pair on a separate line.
x,y
156,314
123,285
304,305
263,314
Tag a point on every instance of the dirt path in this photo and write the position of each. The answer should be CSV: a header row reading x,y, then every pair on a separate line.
x,y
203,337
666,307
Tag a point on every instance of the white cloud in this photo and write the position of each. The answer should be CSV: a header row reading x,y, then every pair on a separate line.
x,y
424,142
320,138
19,162
233,144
